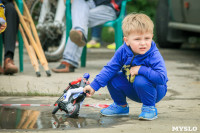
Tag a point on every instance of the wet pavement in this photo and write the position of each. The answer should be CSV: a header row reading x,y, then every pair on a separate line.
x,y
180,107
18,118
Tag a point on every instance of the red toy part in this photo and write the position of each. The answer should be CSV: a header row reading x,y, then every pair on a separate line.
x,y
76,81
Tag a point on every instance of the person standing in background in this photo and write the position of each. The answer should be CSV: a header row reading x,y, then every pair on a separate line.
x,y
9,37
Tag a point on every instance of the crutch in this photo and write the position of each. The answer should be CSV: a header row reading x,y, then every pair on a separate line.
x,y
33,38
31,52
30,48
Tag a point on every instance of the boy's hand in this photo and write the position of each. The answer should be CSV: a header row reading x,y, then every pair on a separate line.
x,y
134,70
90,89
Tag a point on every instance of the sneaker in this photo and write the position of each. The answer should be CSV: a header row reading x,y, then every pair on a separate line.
x,y
64,67
111,46
77,37
115,110
148,113
93,44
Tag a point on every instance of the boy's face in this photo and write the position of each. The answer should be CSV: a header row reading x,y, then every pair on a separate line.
x,y
140,43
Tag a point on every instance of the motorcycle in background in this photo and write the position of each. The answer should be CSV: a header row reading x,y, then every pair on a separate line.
x,y
49,18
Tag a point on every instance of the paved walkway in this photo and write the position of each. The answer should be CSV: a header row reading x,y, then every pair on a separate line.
x,y
180,108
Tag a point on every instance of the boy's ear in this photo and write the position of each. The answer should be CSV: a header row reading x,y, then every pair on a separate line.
x,y
126,40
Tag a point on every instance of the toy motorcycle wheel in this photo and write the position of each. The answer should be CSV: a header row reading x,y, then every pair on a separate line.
x,y
75,111
55,110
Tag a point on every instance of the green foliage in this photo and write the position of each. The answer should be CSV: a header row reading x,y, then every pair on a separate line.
x,y
107,36
143,6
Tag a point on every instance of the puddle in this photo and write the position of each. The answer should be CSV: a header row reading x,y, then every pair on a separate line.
x,y
17,118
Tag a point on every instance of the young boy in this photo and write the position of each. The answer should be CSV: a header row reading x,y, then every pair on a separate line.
x,y
143,77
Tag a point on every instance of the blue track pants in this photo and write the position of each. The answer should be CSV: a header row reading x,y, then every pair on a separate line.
x,y
141,90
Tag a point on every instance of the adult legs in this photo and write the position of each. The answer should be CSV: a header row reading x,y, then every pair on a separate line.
x,y
95,41
85,15
96,33
9,35
80,11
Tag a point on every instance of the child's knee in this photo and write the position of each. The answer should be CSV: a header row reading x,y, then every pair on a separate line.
x,y
142,82
116,79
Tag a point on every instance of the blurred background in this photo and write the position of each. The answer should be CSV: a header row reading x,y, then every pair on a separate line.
x,y
144,6
177,24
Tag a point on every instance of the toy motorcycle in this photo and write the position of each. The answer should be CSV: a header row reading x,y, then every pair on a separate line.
x,y
73,97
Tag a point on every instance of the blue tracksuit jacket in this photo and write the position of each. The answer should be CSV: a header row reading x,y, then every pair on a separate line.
x,y
152,66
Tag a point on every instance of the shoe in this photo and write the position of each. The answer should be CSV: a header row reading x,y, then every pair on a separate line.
x,y
64,67
93,44
9,67
77,37
115,110
1,70
148,113
111,46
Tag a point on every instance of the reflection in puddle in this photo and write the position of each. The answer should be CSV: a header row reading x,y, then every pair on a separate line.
x,y
11,118
14,118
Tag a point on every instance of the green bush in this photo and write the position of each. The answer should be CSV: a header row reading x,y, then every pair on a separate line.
x,y
143,6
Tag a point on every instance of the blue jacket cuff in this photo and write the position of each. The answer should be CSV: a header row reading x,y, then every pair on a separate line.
x,y
95,85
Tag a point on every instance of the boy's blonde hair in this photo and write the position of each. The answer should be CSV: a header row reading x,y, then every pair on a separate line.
x,y
137,22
